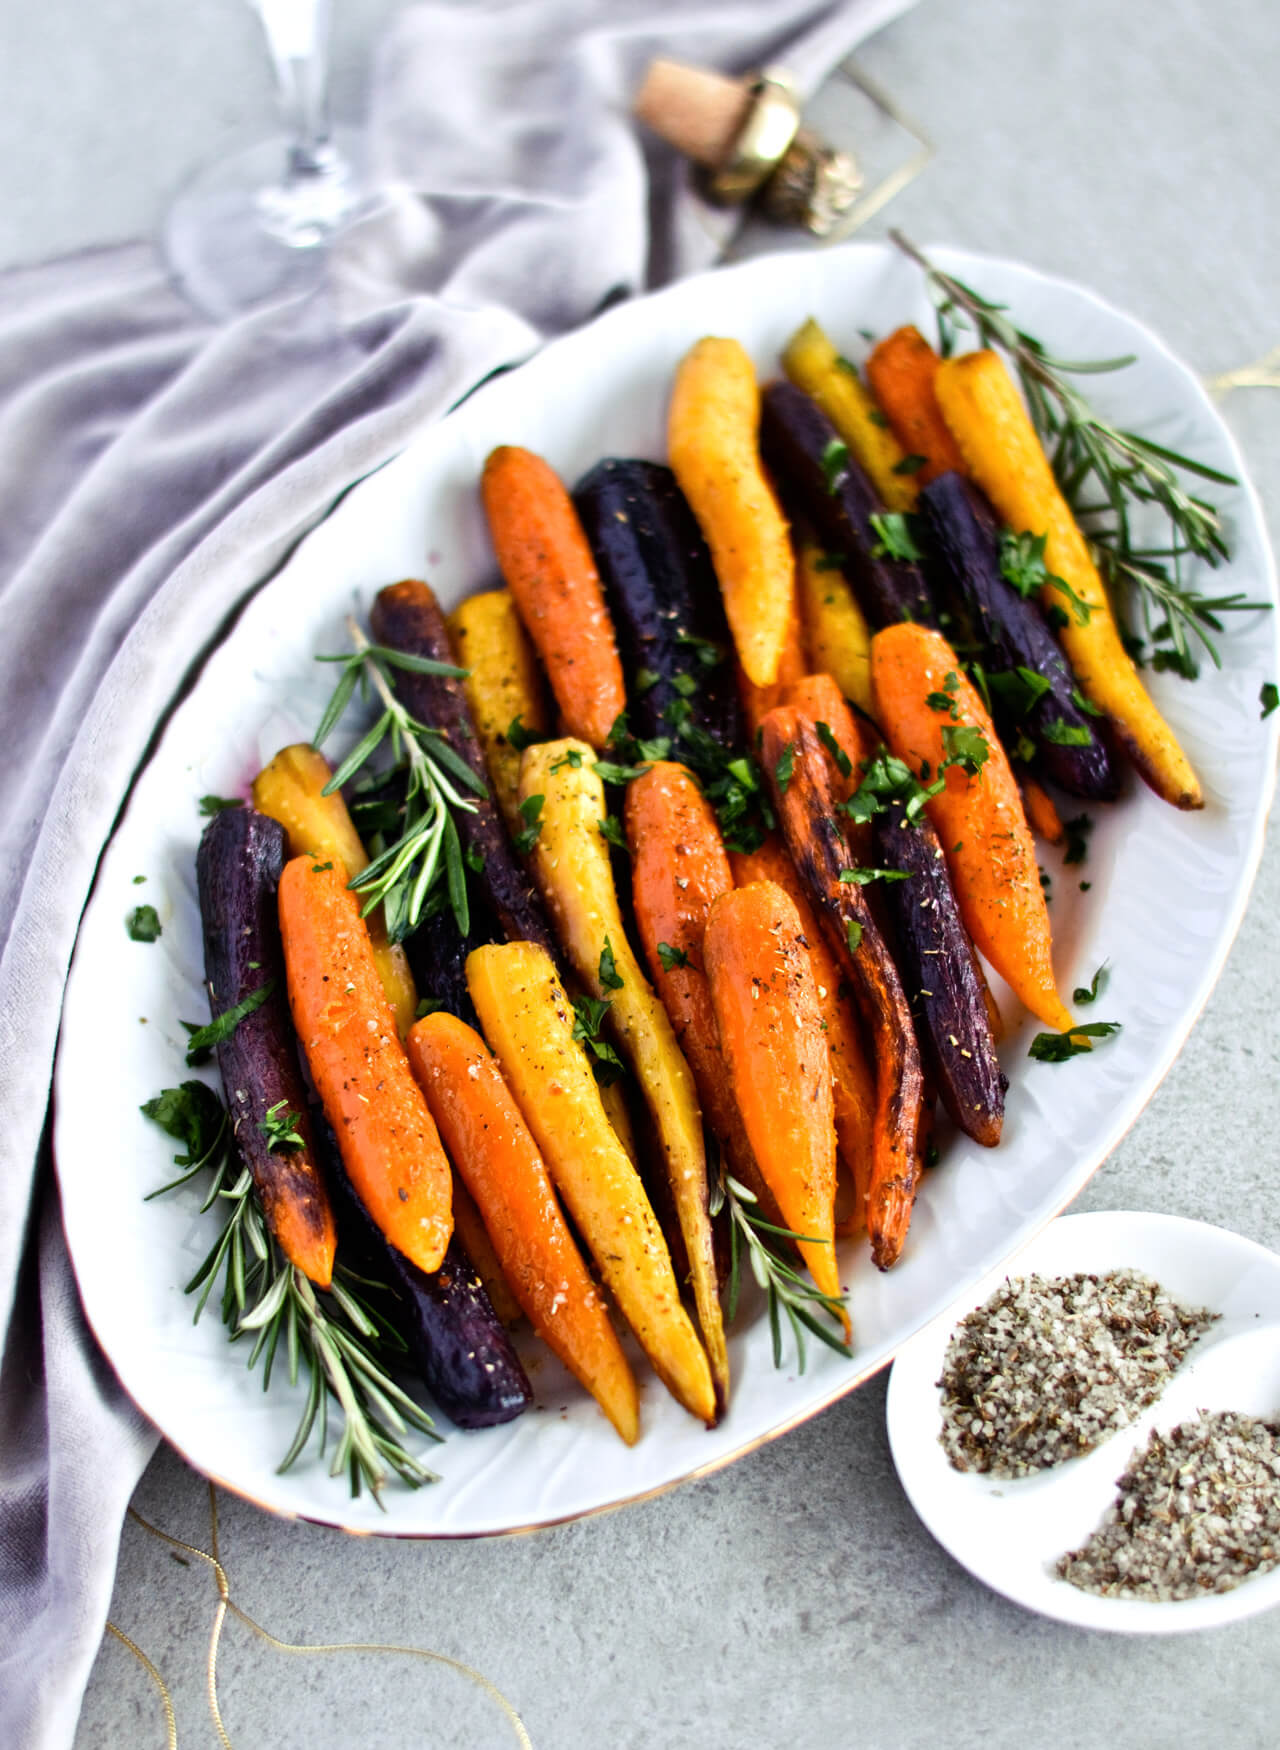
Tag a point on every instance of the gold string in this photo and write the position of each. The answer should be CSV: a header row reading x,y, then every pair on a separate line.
x,y
1263,373
166,1701
227,1604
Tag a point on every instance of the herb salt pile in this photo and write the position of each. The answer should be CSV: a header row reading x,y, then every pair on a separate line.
x,y
1049,1368
1198,1511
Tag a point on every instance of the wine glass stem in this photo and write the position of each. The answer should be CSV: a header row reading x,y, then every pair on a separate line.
x,y
297,34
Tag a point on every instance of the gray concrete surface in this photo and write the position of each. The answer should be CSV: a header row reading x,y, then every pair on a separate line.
x,y
793,1599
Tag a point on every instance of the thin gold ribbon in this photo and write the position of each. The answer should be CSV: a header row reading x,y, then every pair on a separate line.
x,y
1263,373
227,1604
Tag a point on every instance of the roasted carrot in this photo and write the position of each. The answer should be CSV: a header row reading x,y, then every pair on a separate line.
x,y
901,371
756,701
548,567
470,1231
985,413
387,1138
770,1023
503,687
571,862
852,1076
712,435
1040,809
528,1020
978,815
290,788
836,634
813,364
806,806
678,869
490,1145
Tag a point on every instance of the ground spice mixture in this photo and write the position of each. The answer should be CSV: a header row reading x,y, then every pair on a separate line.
x,y
1049,1368
1198,1511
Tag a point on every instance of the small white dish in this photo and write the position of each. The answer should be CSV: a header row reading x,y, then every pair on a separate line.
x,y
1009,1532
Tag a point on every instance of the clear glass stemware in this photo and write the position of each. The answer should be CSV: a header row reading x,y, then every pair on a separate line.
x,y
256,227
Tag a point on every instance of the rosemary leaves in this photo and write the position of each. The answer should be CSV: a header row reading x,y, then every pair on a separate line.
x,y
1106,473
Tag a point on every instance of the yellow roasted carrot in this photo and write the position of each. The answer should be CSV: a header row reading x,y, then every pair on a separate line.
x,y
998,441
571,864
836,631
712,430
811,361
503,687
528,1020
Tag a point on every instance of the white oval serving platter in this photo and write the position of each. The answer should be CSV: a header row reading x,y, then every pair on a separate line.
x,y
1167,894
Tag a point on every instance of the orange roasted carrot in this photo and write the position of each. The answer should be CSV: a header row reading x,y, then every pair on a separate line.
x,y
498,1160
806,806
1041,811
387,1137
852,1077
770,1023
549,569
678,870
978,816
901,371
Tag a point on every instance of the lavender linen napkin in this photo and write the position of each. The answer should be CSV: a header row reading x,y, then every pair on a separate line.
x,y
153,470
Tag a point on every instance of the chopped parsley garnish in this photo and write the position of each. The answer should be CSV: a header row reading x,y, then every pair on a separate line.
x,y
427,1006
685,685
1019,690
887,780
473,857
210,805
518,736
946,699
143,924
784,766
708,653
894,537
280,1127
1269,697
835,464
530,812
853,934
966,747
589,1015
1086,705
610,772
321,868
1089,993
830,562
138,880
910,464
671,957
862,877
826,735
1022,566
645,678
203,1039
572,757
1058,1047
608,969
610,829
1067,734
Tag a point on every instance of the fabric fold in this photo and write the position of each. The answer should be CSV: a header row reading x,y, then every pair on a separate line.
x,y
154,470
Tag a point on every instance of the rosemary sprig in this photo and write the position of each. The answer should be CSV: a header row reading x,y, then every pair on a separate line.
x,y
340,1338
404,872
1104,472
788,1291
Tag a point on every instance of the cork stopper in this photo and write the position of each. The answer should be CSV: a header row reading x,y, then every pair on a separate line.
x,y
698,112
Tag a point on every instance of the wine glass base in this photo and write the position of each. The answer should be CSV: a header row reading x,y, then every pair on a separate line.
x,y
250,230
